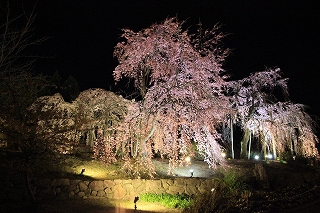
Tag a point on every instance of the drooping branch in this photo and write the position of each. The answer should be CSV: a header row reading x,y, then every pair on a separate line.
x,y
180,87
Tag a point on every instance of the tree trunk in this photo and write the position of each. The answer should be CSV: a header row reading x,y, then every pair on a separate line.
x,y
135,146
244,144
265,150
290,144
249,152
29,190
91,137
144,142
231,138
274,147
294,144
273,141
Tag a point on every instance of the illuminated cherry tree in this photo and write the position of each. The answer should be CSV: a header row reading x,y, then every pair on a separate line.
x,y
180,79
285,126
89,120
99,109
275,122
101,112
55,123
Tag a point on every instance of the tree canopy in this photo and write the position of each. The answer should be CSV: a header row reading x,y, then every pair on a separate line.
x,y
281,125
181,80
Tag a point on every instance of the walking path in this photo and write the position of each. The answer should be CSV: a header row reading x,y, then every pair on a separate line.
x,y
199,169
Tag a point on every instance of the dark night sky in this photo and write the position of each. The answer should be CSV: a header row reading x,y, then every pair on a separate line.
x,y
261,33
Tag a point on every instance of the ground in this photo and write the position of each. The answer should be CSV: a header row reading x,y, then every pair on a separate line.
x,y
280,175
72,166
103,205
199,168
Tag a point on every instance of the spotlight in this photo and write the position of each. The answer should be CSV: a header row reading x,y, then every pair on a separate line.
x,y
82,171
256,157
191,172
188,159
135,202
269,156
223,154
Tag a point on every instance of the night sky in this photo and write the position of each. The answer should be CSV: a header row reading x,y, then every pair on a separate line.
x,y
82,34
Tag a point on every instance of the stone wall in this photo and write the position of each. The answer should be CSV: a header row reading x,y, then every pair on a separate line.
x,y
116,189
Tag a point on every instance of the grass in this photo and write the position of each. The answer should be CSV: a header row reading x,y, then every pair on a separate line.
x,y
229,194
70,166
64,166
93,169
171,201
232,182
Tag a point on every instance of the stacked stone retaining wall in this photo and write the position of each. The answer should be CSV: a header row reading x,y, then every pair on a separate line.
x,y
116,189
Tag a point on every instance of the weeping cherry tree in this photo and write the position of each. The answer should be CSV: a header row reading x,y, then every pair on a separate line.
x,y
180,79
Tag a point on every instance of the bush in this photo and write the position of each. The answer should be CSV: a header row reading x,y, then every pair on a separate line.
x,y
229,194
231,182
168,200
295,160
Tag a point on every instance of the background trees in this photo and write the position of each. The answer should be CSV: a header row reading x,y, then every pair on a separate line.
x,y
19,88
93,116
54,121
275,124
99,109
251,94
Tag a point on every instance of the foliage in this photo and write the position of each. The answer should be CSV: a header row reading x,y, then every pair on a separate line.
x,y
295,160
91,118
19,88
96,118
54,122
99,109
180,84
232,182
103,150
172,201
229,194
185,97
279,125
140,167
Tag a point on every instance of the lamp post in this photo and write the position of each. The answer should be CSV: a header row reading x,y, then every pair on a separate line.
x,y
135,202
82,171
191,172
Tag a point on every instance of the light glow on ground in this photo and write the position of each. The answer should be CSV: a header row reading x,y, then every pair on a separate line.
x,y
128,206
95,170
90,171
